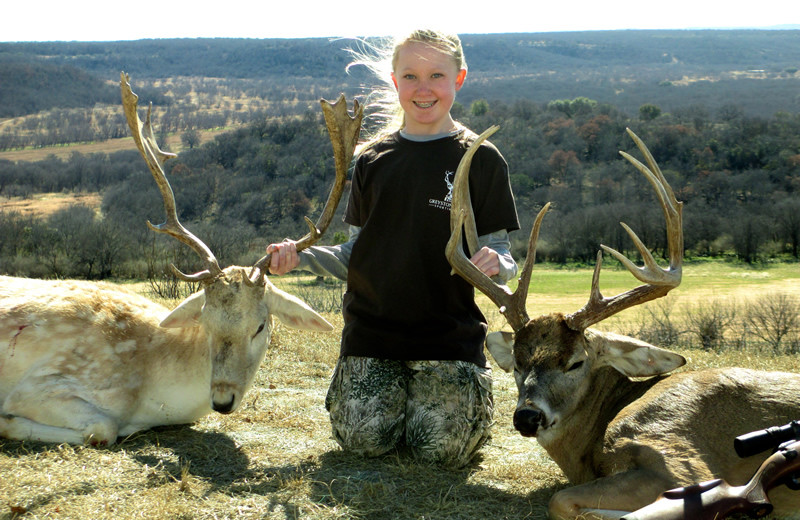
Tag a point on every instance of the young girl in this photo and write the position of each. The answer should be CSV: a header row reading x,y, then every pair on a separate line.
x,y
412,369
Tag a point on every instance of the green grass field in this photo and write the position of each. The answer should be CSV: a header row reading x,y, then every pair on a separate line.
x,y
274,458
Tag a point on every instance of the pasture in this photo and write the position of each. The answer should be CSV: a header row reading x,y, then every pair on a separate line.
x,y
275,458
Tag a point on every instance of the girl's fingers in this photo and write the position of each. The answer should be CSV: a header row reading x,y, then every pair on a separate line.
x,y
284,257
487,261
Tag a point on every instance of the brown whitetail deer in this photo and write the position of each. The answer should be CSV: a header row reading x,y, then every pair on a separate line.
x,y
621,441
89,362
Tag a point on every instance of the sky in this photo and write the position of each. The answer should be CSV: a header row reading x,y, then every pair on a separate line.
x,y
94,20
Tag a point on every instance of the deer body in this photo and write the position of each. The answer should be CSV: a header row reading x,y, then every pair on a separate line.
x,y
87,362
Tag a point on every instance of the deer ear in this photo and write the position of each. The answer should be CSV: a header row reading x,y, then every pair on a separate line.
x,y
630,356
501,346
187,313
294,312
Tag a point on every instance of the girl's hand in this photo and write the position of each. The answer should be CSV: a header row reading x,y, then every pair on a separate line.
x,y
284,257
487,260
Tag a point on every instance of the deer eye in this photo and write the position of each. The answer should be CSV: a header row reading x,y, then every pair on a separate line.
x,y
260,328
575,366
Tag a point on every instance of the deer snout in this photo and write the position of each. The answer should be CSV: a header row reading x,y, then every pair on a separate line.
x,y
224,408
223,399
527,421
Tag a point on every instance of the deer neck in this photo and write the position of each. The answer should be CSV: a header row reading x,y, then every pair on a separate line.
x,y
182,349
577,447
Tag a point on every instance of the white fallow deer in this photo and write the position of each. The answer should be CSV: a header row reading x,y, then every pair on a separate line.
x,y
622,441
84,362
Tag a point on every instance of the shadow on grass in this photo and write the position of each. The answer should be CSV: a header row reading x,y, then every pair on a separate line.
x,y
209,455
206,454
392,487
397,487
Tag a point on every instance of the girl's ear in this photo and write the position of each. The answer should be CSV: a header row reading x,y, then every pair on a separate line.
x,y
462,75
394,80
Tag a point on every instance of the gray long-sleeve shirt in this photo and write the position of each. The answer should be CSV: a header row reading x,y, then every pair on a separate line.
x,y
333,260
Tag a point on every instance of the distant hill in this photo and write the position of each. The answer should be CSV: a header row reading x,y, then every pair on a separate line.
x,y
755,69
29,86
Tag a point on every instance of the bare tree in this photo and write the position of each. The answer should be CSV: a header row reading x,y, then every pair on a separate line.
x,y
709,320
773,318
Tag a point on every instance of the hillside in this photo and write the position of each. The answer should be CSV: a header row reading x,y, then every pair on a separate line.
x,y
756,69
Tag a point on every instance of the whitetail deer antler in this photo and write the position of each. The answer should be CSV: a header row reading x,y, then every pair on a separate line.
x,y
343,130
657,281
155,157
512,305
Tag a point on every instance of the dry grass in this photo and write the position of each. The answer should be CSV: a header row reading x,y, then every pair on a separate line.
x,y
43,205
274,458
109,146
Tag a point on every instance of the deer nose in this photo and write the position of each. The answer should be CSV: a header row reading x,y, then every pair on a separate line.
x,y
527,421
224,408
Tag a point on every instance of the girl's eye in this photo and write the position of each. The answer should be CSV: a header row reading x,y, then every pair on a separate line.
x,y
409,76
575,366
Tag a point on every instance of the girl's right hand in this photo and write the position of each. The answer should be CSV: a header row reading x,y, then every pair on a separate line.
x,y
284,257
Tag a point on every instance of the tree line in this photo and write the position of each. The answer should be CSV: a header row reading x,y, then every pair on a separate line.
x,y
737,175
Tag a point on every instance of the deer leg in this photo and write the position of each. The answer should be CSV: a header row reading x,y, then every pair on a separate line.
x,y
22,429
609,497
48,410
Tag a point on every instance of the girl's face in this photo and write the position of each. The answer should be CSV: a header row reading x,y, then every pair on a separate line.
x,y
427,81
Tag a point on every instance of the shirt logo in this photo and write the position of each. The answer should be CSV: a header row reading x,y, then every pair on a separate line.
x,y
448,198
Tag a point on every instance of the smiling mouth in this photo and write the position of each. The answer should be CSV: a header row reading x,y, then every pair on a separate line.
x,y
428,104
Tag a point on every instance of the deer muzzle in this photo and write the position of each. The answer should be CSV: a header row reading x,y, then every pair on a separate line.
x,y
527,421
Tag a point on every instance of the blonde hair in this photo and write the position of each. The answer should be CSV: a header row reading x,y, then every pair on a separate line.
x,y
384,114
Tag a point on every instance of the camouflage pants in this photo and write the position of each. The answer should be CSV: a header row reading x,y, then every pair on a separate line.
x,y
441,410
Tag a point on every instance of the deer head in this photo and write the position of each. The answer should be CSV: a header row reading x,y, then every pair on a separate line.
x,y
555,357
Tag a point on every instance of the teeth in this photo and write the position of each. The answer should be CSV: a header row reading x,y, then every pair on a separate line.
x,y
424,105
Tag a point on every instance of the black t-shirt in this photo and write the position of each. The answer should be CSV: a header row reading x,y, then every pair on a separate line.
x,y
401,301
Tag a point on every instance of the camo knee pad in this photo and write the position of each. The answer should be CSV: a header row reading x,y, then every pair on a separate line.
x,y
366,401
441,409
449,410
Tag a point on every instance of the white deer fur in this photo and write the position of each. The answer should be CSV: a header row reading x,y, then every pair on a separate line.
x,y
91,361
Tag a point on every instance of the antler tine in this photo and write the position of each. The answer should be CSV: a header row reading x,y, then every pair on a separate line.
x,y
657,282
521,294
461,192
671,207
343,130
512,305
154,157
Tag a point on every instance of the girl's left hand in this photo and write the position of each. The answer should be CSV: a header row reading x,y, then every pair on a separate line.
x,y
487,260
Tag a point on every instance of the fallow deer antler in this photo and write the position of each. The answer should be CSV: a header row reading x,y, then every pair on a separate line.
x,y
343,130
512,305
154,157
657,281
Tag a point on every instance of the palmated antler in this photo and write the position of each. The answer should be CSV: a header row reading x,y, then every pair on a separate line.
x,y
343,130
512,305
155,157
657,281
